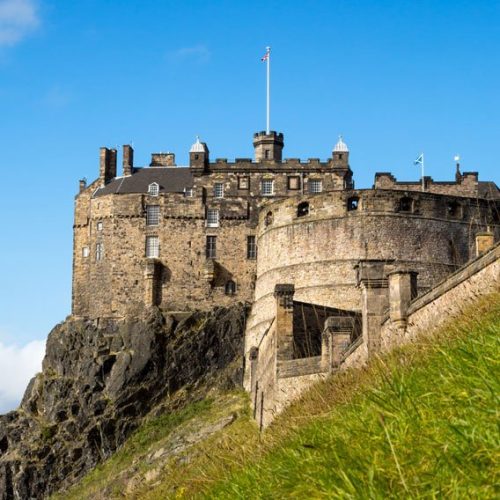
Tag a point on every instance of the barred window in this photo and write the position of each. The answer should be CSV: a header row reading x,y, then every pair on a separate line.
x,y
152,246
153,189
267,187
219,190
85,252
315,186
152,215
212,217
99,251
211,247
251,247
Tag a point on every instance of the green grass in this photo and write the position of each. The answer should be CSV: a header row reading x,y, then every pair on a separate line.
x,y
421,422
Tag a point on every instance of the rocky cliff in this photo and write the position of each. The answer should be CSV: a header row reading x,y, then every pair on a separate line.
x,y
100,379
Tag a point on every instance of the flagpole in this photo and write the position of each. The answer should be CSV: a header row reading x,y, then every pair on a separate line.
x,y
423,181
268,104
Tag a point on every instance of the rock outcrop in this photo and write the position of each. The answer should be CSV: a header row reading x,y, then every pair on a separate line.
x,y
99,380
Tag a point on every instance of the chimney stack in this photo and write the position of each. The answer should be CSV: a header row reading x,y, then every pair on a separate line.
x,y
128,160
107,165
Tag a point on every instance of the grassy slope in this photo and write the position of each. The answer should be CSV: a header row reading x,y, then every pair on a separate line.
x,y
421,422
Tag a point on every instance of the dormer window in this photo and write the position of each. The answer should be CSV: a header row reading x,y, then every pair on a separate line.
x,y
154,189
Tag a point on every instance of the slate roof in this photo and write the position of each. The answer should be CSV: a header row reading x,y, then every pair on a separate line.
x,y
170,179
488,190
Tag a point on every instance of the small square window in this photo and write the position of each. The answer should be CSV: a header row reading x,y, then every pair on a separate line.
x,y
294,182
188,192
315,186
267,187
85,252
243,183
212,217
99,226
152,215
152,247
219,190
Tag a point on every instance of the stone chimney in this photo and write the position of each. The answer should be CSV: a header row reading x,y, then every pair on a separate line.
x,y
162,160
128,160
107,165
82,185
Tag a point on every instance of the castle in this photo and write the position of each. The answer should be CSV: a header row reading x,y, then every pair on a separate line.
x,y
294,238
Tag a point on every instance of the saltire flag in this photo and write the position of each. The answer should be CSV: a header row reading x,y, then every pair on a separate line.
x,y
265,57
419,160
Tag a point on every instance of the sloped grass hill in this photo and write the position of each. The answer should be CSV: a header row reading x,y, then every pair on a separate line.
x,y
421,422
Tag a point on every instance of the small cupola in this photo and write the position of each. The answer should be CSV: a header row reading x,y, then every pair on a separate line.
x,y
198,154
340,154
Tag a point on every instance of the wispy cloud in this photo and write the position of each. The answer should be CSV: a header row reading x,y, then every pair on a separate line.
x,y
17,366
17,19
197,53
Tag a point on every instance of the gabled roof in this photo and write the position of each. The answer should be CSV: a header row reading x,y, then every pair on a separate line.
x,y
488,190
170,180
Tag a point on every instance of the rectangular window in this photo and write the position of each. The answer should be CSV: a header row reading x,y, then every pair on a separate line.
x,y
251,247
243,183
219,190
315,186
294,182
267,187
99,251
152,246
211,247
212,217
85,252
152,215
188,192
99,226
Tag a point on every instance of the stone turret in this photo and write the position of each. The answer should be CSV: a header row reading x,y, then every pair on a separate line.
x,y
340,155
199,155
268,147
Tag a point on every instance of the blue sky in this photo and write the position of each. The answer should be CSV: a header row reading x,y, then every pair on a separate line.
x,y
394,77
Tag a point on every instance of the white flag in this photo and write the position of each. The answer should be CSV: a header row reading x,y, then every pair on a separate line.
x,y
419,160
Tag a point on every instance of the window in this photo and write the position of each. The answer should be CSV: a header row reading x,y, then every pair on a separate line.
x,y
453,209
243,183
267,187
154,189
188,192
212,217
303,209
406,204
352,203
315,186
211,247
99,226
219,190
152,247
152,215
268,220
85,252
251,247
294,182
267,154
230,287
99,251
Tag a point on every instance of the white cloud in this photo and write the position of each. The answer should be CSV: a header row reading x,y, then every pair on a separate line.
x,y
17,366
17,19
197,53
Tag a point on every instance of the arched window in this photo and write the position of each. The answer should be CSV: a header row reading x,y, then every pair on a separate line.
x,y
303,209
268,219
352,203
230,287
406,204
153,189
